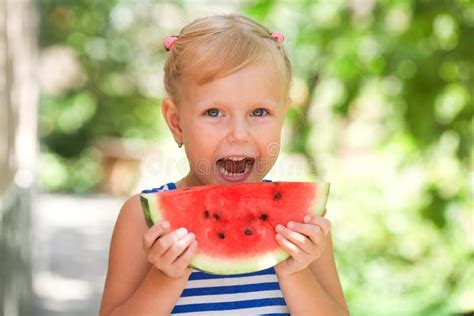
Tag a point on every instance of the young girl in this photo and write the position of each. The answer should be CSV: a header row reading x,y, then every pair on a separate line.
x,y
228,81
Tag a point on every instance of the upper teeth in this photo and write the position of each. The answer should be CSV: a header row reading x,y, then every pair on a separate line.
x,y
235,158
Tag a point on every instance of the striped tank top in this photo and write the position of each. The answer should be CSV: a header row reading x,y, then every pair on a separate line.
x,y
255,293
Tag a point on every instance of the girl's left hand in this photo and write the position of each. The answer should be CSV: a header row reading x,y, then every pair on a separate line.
x,y
305,242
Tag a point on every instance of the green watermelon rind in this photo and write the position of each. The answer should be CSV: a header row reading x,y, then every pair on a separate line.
x,y
321,198
148,201
225,266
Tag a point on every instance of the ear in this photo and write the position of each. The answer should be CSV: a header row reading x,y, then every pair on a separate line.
x,y
171,116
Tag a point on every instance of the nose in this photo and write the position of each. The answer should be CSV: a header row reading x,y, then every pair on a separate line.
x,y
238,131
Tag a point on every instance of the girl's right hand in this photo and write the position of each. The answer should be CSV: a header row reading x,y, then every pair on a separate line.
x,y
170,251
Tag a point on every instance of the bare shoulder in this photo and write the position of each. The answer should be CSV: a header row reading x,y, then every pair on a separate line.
x,y
127,265
131,215
128,231
130,224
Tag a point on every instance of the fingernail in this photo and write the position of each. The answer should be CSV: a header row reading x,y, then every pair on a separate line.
x,y
307,219
278,236
291,225
191,236
182,232
165,225
279,228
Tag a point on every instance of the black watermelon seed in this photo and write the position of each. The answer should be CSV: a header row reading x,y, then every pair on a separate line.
x,y
263,217
206,214
248,232
216,216
221,235
277,196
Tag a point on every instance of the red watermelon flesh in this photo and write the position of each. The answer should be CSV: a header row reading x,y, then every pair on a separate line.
x,y
235,224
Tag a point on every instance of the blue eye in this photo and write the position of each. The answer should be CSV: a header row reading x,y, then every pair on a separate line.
x,y
212,112
259,112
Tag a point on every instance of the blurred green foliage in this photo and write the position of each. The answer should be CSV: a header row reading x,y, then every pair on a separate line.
x,y
383,107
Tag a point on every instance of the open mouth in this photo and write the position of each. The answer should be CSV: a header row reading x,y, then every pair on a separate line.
x,y
235,167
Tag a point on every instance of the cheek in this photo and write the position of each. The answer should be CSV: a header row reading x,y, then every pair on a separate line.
x,y
200,134
268,140
266,161
269,149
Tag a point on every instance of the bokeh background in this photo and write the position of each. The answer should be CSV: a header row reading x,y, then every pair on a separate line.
x,y
383,109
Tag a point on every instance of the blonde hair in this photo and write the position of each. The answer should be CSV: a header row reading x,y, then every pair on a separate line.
x,y
216,46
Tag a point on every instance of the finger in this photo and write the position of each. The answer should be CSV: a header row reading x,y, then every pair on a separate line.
x,y
296,238
319,240
168,240
287,245
311,231
322,222
153,233
185,259
178,248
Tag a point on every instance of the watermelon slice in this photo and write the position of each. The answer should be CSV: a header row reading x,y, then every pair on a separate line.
x,y
235,224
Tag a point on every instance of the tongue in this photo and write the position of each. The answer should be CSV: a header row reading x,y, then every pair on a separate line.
x,y
234,166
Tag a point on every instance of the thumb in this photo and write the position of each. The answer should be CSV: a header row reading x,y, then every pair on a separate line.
x,y
324,212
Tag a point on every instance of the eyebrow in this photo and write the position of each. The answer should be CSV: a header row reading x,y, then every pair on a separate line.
x,y
270,102
214,102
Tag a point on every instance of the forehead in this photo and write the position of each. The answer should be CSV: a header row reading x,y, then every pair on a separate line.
x,y
249,84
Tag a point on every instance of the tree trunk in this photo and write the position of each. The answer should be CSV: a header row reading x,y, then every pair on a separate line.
x,y
18,147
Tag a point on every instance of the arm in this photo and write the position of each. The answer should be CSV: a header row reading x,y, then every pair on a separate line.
x,y
134,286
308,279
156,295
315,290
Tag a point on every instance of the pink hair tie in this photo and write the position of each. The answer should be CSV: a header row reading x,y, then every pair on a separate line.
x,y
169,41
278,36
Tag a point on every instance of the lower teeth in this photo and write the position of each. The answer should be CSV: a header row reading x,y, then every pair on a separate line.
x,y
233,174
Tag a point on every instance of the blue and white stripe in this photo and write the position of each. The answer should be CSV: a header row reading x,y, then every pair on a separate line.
x,y
164,187
255,293
245,294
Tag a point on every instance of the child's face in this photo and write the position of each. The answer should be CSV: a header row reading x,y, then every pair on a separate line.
x,y
231,126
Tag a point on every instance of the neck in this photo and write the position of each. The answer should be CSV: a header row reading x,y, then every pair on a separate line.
x,y
188,181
